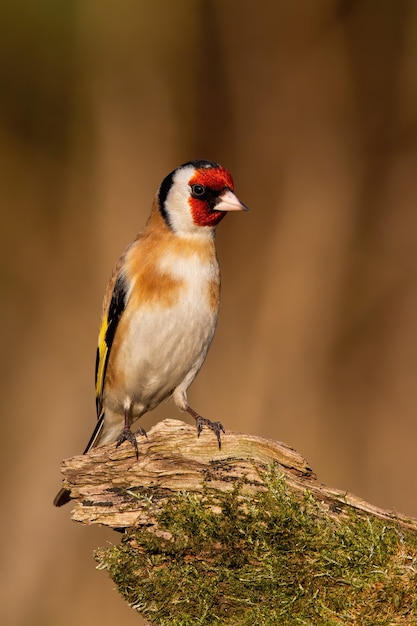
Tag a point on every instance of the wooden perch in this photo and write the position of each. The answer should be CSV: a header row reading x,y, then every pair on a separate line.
x,y
248,530
108,484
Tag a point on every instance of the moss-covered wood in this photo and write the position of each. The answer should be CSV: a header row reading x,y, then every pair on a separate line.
x,y
241,536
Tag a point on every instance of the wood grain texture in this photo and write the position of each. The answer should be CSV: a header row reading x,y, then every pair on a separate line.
x,y
110,487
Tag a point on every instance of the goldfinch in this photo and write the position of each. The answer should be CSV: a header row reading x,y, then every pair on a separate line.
x,y
161,305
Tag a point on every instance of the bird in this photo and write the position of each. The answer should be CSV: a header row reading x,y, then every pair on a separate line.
x,y
161,306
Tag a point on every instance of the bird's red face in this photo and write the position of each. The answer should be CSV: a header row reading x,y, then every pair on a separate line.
x,y
197,194
207,186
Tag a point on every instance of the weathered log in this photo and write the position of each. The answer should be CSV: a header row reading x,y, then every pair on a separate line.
x,y
247,529
110,487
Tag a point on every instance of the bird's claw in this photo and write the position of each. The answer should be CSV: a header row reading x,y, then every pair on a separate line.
x,y
216,427
127,435
141,431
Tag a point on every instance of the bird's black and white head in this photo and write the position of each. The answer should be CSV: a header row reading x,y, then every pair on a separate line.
x,y
195,197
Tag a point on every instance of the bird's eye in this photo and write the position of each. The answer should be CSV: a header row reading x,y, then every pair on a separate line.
x,y
197,191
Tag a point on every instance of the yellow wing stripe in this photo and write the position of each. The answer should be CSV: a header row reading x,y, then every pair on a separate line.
x,y
102,350
108,329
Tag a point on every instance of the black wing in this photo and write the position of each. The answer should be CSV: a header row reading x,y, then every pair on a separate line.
x,y
108,328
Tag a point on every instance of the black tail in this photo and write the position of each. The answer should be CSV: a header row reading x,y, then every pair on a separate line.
x,y
94,436
62,497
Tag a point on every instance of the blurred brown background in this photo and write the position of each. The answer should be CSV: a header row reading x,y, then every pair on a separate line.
x,y
313,108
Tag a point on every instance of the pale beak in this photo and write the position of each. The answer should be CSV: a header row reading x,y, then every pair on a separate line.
x,y
229,202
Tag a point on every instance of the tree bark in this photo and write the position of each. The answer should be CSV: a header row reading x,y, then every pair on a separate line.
x,y
172,459
186,502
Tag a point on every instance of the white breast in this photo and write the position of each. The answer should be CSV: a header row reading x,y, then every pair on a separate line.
x,y
164,345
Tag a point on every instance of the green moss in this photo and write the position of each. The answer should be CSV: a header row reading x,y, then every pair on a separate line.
x,y
273,558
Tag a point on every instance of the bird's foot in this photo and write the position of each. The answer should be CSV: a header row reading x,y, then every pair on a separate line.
x,y
141,431
201,421
216,427
127,435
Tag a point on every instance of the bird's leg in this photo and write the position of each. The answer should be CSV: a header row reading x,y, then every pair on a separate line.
x,y
127,435
201,421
